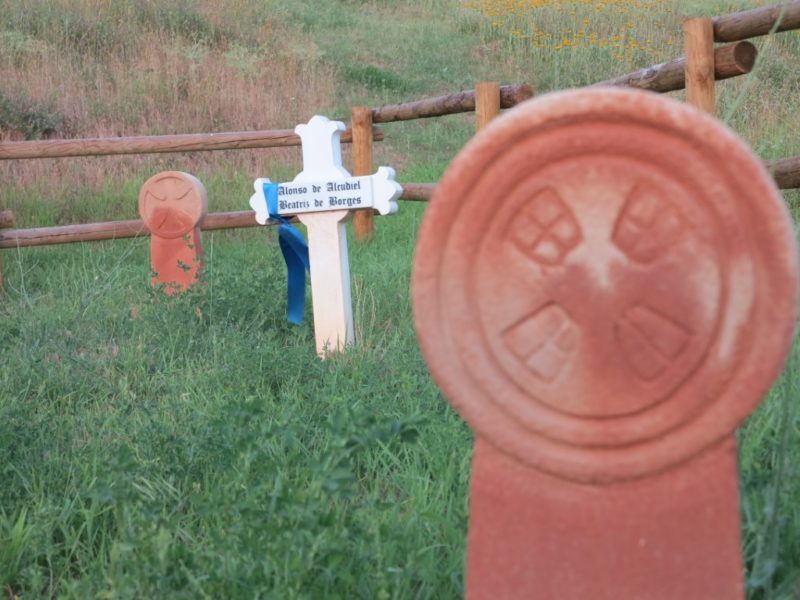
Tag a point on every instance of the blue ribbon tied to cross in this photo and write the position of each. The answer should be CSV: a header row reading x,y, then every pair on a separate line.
x,y
295,253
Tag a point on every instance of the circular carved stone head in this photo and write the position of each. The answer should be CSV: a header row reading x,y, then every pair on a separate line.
x,y
605,283
172,203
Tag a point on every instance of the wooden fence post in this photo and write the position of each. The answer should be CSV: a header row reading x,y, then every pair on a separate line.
x,y
363,221
698,38
6,222
487,103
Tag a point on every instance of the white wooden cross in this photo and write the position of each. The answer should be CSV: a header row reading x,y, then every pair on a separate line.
x,y
323,196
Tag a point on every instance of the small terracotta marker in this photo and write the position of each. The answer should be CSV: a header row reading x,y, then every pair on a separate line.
x,y
604,287
172,205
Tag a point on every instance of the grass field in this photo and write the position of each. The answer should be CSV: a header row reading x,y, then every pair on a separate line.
x,y
195,446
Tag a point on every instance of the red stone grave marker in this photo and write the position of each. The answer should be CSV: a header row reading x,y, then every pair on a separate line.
x,y
172,205
604,287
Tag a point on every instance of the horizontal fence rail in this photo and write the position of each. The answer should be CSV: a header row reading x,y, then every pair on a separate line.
x,y
115,230
729,61
786,172
187,142
417,191
111,230
757,22
450,104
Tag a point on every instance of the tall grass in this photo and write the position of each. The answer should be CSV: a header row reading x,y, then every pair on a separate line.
x,y
148,67
92,68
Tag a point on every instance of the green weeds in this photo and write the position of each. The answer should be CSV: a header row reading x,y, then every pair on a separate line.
x,y
196,446
31,119
375,77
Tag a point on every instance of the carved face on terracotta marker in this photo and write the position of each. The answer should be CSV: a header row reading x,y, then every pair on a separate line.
x,y
590,288
172,204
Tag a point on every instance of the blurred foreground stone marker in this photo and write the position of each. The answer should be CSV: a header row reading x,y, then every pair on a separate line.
x,y
323,197
172,205
604,287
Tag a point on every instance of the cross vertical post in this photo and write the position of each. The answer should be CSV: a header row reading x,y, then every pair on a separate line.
x,y
327,239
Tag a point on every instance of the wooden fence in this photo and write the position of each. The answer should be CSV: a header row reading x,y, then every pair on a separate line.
x,y
696,72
